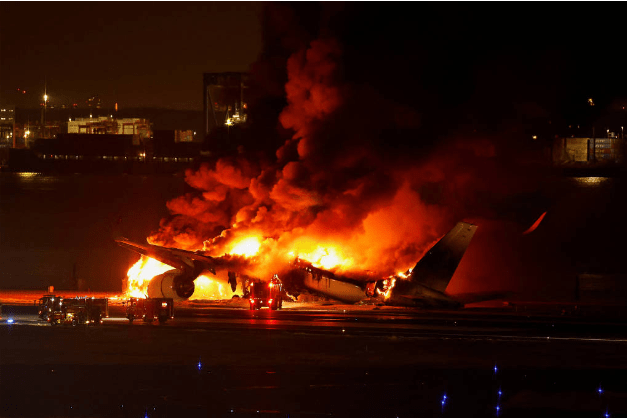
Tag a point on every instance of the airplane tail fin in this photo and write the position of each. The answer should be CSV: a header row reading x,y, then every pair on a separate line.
x,y
436,268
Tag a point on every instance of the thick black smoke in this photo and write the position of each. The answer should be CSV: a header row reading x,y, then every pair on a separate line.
x,y
373,130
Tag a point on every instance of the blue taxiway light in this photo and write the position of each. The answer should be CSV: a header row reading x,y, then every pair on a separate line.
x,y
10,321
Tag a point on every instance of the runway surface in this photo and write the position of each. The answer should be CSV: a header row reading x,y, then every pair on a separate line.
x,y
212,360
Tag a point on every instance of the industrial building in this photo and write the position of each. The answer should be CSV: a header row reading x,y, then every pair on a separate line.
x,y
7,127
224,99
138,128
609,149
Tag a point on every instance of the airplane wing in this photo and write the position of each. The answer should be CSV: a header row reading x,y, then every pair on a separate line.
x,y
436,268
187,261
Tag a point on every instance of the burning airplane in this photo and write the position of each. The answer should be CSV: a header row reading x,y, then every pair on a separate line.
x,y
423,285
352,196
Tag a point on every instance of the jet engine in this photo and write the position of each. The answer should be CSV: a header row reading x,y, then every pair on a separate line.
x,y
171,284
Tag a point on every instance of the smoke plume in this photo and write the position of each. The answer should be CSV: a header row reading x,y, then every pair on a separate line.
x,y
358,174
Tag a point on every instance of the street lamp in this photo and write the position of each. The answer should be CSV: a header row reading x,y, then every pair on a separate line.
x,y
43,116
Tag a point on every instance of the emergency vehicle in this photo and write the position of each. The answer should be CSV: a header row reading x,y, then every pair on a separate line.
x,y
76,311
149,309
266,294
46,304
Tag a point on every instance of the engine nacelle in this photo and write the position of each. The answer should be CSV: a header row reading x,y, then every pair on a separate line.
x,y
171,284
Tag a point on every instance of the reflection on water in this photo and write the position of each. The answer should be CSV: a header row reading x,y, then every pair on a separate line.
x,y
590,181
53,225
28,175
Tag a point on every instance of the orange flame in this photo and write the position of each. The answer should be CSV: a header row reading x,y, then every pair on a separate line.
x,y
322,256
210,289
247,247
140,275
388,284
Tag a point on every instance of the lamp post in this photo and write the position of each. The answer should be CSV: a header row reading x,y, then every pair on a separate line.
x,y
228,123
43,119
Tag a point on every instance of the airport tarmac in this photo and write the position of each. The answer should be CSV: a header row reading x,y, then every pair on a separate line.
x,y
215,360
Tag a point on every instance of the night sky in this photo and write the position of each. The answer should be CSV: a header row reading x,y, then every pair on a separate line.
x,y
503,61
138,54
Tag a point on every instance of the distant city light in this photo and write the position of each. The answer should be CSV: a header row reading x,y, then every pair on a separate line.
x,y
591,102
535,137
229,122
45,97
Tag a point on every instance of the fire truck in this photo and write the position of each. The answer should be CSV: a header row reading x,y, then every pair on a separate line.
x,y
46,304
76,311
266,294
149,309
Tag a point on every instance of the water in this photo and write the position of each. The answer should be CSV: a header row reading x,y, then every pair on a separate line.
x,y
51,223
